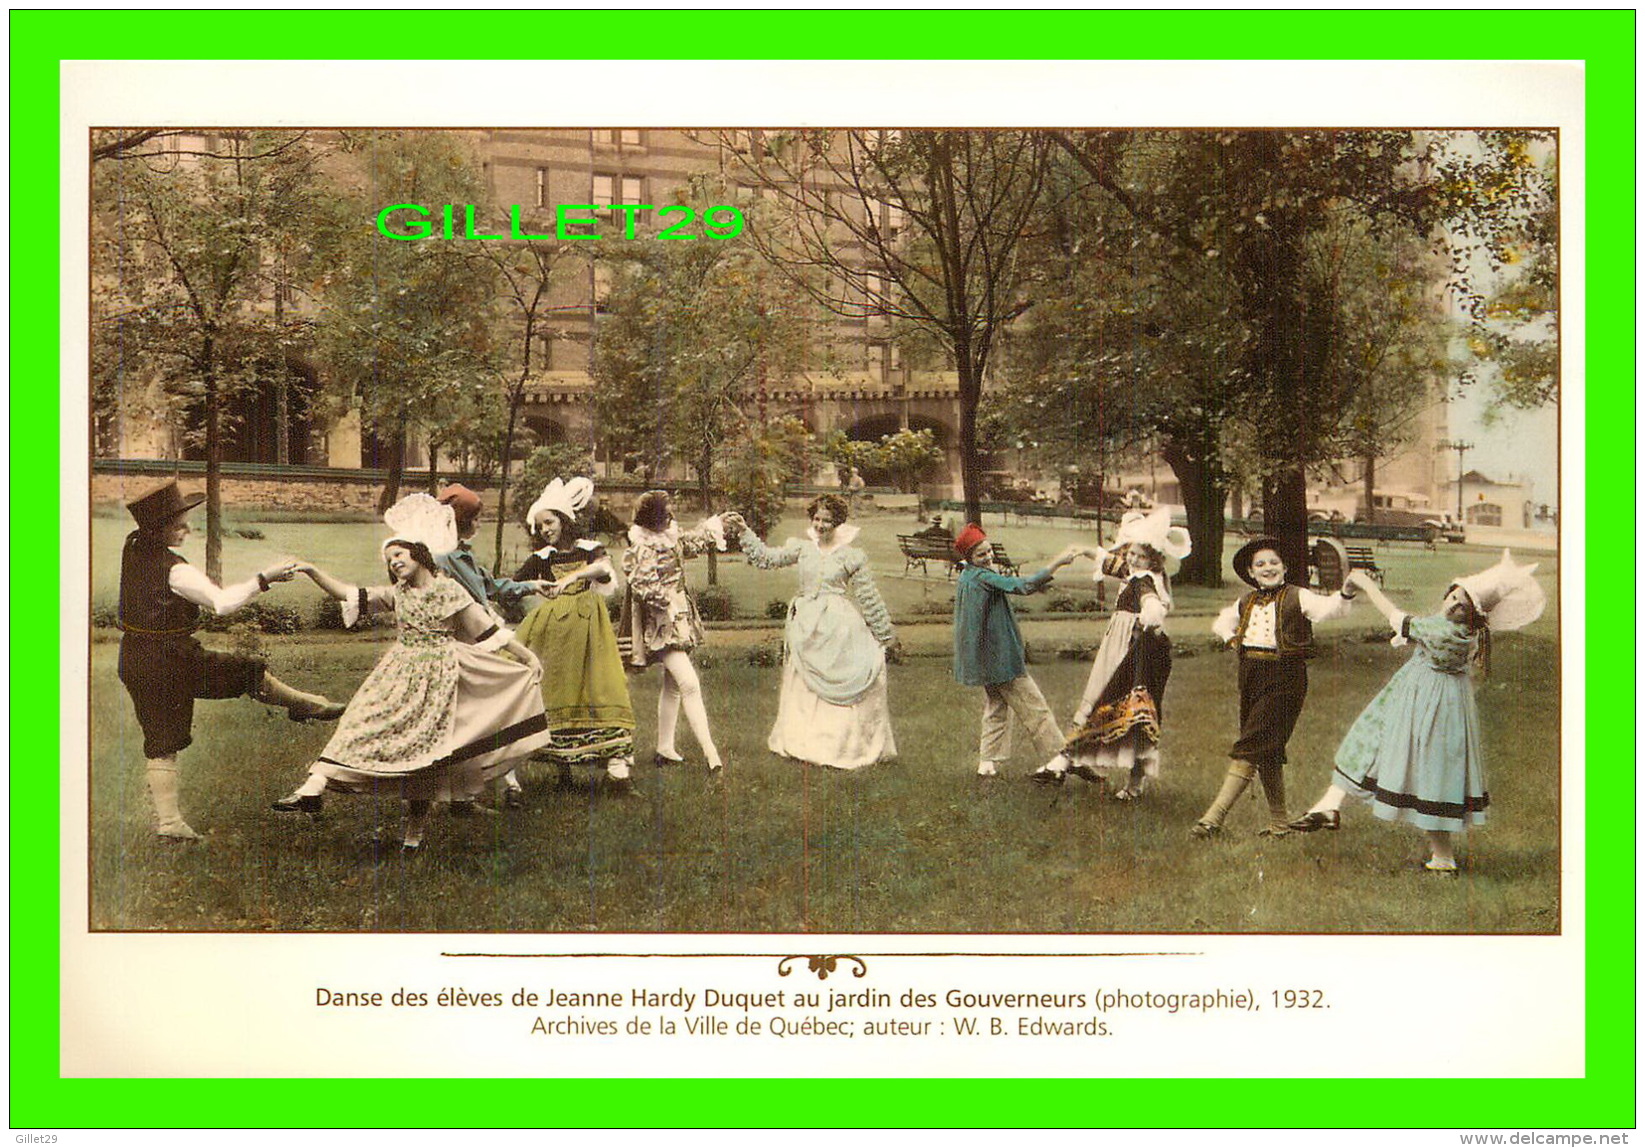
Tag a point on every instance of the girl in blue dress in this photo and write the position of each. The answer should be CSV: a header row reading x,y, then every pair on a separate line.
x,y
1414,753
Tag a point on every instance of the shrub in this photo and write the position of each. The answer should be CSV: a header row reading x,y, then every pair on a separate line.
x,y
776,608
931,607
249,532
767,653
1089,605
260,617
715,604
105,616
1063,604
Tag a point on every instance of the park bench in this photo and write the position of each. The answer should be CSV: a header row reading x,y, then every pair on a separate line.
x,y
918,549
1361,558
1003,562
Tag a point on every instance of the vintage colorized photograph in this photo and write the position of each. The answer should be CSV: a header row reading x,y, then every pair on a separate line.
x,y
827,530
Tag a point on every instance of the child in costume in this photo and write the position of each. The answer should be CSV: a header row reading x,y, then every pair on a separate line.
x,y
661,620
988,649
163,666
1272,627
1414,753
590,717
1117,725
443,711
833,708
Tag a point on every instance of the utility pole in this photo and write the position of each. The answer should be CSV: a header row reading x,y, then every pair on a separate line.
x,y
1461,448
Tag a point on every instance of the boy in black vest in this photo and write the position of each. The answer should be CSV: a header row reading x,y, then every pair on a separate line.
x,y
164,667
1272,628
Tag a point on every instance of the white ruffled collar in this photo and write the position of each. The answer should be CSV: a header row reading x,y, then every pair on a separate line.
x,y
844,535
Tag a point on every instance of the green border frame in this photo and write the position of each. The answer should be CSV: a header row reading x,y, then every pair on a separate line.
x,y
1603,1098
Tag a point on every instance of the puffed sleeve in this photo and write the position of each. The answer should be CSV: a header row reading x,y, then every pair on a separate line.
x,y
365,600
709,534
868,596
1109,565
1322,607
652,574
769,557
1227,623
451,598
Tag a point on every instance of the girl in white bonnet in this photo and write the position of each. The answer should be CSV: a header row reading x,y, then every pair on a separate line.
x,y
1414,754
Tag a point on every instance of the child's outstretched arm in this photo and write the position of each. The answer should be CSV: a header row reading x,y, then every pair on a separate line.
x,y
1377,598
335,587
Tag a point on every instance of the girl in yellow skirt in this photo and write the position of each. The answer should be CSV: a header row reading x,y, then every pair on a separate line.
x,y
585,692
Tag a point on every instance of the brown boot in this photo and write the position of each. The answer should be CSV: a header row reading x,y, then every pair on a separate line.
x,y
1234,784
1273,788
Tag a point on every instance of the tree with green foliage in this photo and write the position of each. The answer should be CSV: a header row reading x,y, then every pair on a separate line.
x,y
1244,210
761,463
526,274
692,332
408,327
198,237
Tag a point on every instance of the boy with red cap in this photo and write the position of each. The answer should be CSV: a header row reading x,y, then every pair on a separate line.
x,y
988,649
164,667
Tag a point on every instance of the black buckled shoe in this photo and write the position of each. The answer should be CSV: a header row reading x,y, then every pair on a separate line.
x,y
298,803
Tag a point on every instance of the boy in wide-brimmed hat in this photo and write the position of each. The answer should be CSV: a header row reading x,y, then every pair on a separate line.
x,y
163,666
988,650
1272,628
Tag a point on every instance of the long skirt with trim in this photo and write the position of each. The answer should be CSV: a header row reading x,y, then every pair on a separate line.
x,y
1117,726
1414,753
435,723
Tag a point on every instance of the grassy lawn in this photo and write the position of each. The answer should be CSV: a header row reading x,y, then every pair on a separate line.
x,y
917,845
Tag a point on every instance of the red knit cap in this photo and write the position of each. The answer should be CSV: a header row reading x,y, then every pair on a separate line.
x,y
463,502
969,539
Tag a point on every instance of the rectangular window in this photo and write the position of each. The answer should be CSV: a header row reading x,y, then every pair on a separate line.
x,y
633,189
630,136
602,286
542,187
604,191
876,360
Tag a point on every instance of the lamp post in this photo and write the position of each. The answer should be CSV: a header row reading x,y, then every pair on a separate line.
x,y
1461,448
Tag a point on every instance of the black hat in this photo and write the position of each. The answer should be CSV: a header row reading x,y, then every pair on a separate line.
x,y
154,509
1244,555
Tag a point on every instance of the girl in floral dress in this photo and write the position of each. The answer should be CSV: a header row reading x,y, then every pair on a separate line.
x,y
1117,725
443,711
661,620
1414,754
832,709
590,717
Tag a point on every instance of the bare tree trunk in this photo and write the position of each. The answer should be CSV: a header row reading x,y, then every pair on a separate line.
x,y
1285,516
396,469
515,398
1202,499
214,464
970,463
705,470
1370,487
